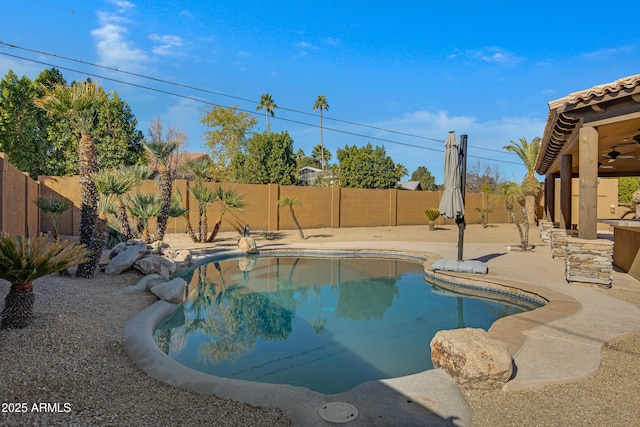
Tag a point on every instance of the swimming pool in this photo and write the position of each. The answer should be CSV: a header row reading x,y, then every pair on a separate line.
x,y
325,323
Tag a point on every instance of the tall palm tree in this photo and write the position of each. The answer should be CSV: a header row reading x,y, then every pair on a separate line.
x,y
161,150
291,202
205,198
230,199
528,153
24,259
266,102
321,104
79,103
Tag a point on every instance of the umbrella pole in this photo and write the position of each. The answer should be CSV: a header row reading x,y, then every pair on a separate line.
x,y
462,161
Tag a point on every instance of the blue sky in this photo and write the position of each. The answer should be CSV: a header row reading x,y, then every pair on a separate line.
x,y
485,69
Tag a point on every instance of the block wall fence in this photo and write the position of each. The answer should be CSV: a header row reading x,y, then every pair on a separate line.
x,y
321,207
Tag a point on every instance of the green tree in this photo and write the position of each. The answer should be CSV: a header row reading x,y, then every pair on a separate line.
x,y
114,184
23,126
53,207
118,142
269,106
24,259
401,171
79,103
291,202
269,159
528,153
626,187
227,136
321,156
366,167
321,104
507,192
427,181
142,208
161,148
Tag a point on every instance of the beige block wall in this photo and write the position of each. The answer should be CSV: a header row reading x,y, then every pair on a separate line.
x,y
607,206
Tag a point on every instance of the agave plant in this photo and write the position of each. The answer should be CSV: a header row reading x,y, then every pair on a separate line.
x,y
24,259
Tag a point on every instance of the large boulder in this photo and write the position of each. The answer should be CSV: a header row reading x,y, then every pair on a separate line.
x,y
173,291
247,245
155,264
472,358
125,259
142,283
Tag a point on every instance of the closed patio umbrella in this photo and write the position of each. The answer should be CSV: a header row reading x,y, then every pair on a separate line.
x,y
452,203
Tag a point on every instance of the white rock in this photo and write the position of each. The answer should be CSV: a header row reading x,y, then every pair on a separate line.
x,y
172,291
142,283
125,259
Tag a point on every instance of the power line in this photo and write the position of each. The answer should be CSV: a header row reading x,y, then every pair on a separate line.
x,y
166,92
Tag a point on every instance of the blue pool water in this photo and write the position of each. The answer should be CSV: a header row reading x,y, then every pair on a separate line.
x,y
327,324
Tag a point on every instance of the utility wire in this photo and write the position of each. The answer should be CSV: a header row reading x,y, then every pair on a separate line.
x,y
166,92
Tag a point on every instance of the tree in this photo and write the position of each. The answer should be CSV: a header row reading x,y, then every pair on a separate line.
x,y
528,153
321,156
161,148
114,184
481,176
53,207
79,104
507,191
401,170
266,102
427,181
366,167
143,207
229,199
291,202
227,136
24,259
269,159
432,214
321,104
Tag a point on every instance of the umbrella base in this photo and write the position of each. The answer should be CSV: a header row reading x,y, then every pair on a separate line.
x,y
464,266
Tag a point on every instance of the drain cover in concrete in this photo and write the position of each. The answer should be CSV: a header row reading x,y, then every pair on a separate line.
x,y
338,412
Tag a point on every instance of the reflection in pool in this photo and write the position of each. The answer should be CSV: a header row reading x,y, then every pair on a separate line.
x,y
327,324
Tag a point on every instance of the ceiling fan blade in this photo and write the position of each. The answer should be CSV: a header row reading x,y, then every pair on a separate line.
x,y
611,160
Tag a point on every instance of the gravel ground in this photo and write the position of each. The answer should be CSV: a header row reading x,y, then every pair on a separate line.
x,y
72,354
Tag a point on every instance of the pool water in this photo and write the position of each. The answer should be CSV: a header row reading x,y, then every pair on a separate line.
x,y
327,324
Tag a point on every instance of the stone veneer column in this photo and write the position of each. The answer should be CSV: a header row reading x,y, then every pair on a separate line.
x,y
559,237
589,261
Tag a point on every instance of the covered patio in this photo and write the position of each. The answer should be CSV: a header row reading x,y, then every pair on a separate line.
x,y
590,134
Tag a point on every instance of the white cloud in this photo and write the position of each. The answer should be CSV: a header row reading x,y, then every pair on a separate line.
x,y
122,4
167,44
488,55
112,45
332,41
607,52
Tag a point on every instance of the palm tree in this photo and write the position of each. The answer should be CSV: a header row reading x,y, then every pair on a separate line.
x,y
79,103
161,150
143,207
114,184
401,170
528,153
205,197
53,207
432,214
266,102
24,259
321,104
321,155
230,199
290,202
507,191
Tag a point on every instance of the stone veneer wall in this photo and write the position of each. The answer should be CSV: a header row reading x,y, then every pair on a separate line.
x,y
559,237
544,229
589,261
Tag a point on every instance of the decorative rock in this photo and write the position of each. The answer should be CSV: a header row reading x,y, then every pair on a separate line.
x,y
172,291
247,245
117,249
155,264
472,358
155,281
142,283
158,247
183,255
125,259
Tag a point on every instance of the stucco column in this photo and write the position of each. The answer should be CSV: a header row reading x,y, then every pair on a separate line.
x,y
565,191
588,180
549,197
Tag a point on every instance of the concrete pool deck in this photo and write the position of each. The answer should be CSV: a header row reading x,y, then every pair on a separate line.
x,y
557,343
